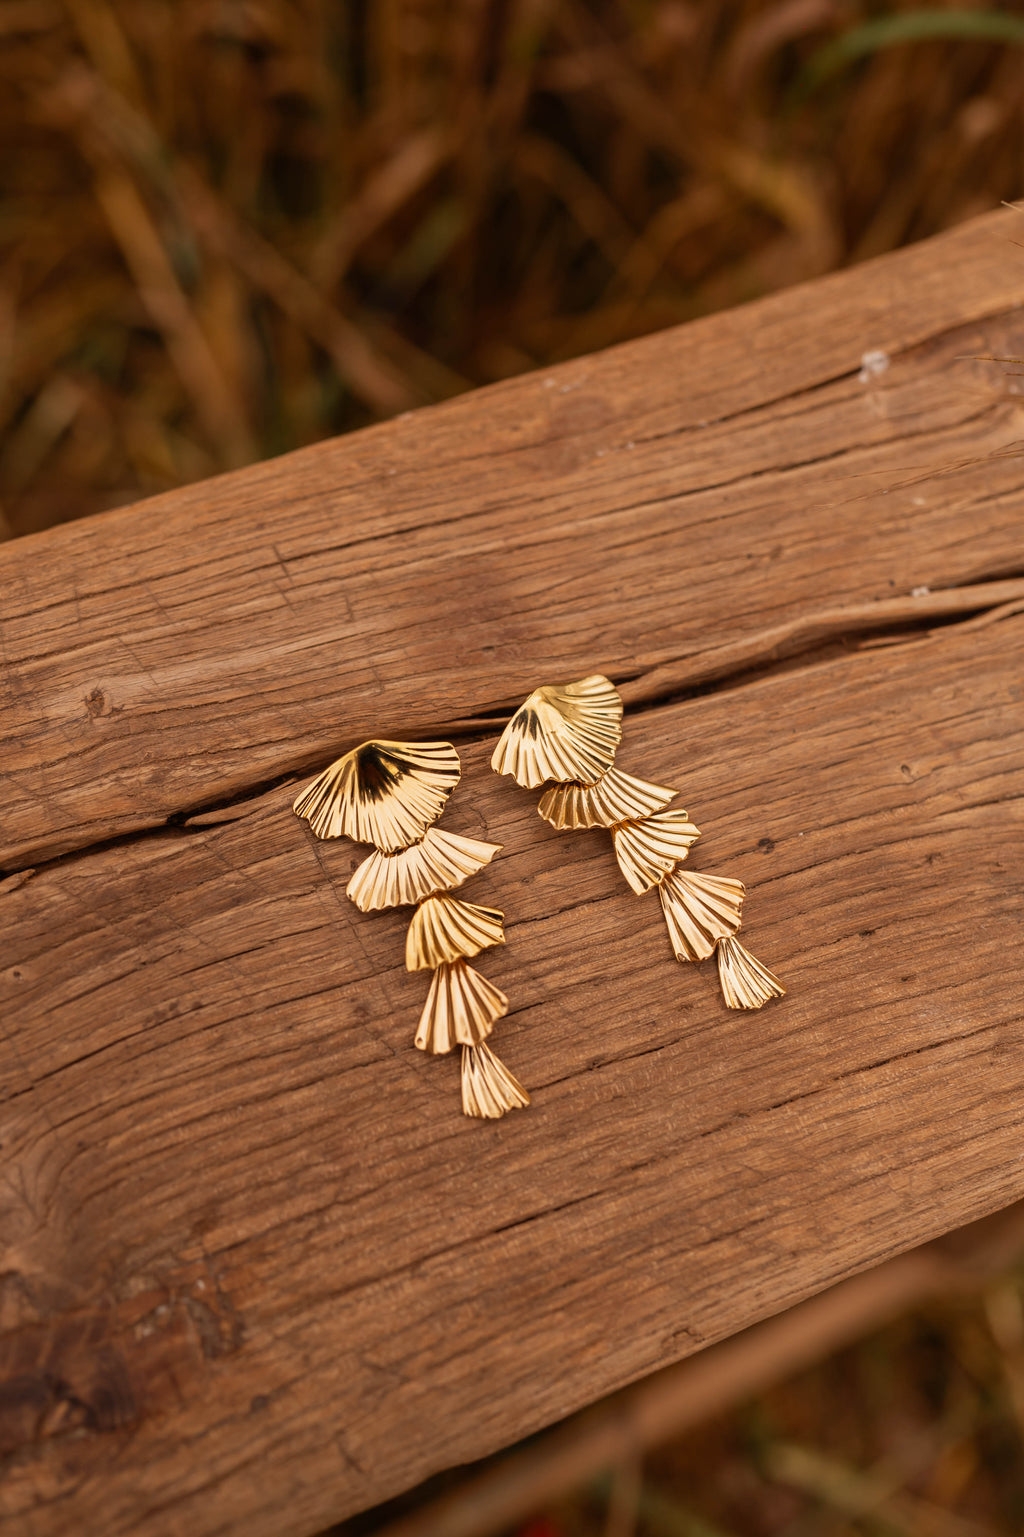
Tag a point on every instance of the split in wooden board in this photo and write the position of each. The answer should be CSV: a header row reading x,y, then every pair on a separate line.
x,y
258,1271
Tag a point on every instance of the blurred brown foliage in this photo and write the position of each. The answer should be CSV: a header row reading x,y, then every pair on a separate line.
x,y
230,227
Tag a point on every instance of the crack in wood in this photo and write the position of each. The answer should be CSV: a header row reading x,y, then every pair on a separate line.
x,y
808,640
898,617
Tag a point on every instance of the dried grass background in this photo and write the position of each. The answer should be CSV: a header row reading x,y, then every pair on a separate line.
x,y
231,227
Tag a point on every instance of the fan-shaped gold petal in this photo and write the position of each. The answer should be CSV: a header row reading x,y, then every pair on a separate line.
x,y
699,911
488,1088
616,798
746,984
439,862
649,849
446,929
562,732
385,793
461,1008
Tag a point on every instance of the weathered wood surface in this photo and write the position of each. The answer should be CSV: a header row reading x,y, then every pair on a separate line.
x,y
257,1270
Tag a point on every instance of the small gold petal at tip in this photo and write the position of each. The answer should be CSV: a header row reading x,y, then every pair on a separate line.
x,y
384,793
612,800
488,1088
699,911
439,862
446,929
746,983
460,1010
651,849
562,732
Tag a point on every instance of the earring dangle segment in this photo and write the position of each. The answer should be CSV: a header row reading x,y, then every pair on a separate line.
x,y
389,794
569,735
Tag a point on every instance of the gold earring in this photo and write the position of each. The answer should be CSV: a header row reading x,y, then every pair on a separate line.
x,y
569,734
389,794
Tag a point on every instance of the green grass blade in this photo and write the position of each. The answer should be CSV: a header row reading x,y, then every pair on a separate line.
x,y
908,27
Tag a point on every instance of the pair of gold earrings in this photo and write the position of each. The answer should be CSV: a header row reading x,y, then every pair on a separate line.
x,y
390,794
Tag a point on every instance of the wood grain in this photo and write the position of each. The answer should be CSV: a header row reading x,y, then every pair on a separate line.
x,y
257,1270
619,512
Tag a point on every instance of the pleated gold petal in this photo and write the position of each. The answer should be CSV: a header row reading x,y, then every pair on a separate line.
x,y
446,929
746,984
488,1088
566,732
699,911
616,798
439,862
649,849
385,793
460,1010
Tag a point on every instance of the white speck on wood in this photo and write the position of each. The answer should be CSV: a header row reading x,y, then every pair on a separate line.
x,y
873,363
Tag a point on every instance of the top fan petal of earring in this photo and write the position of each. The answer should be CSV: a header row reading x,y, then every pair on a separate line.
x,y
384,793
564,732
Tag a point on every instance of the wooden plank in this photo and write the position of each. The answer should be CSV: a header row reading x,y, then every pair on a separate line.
x,y
260,1272
627,512
256,1270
